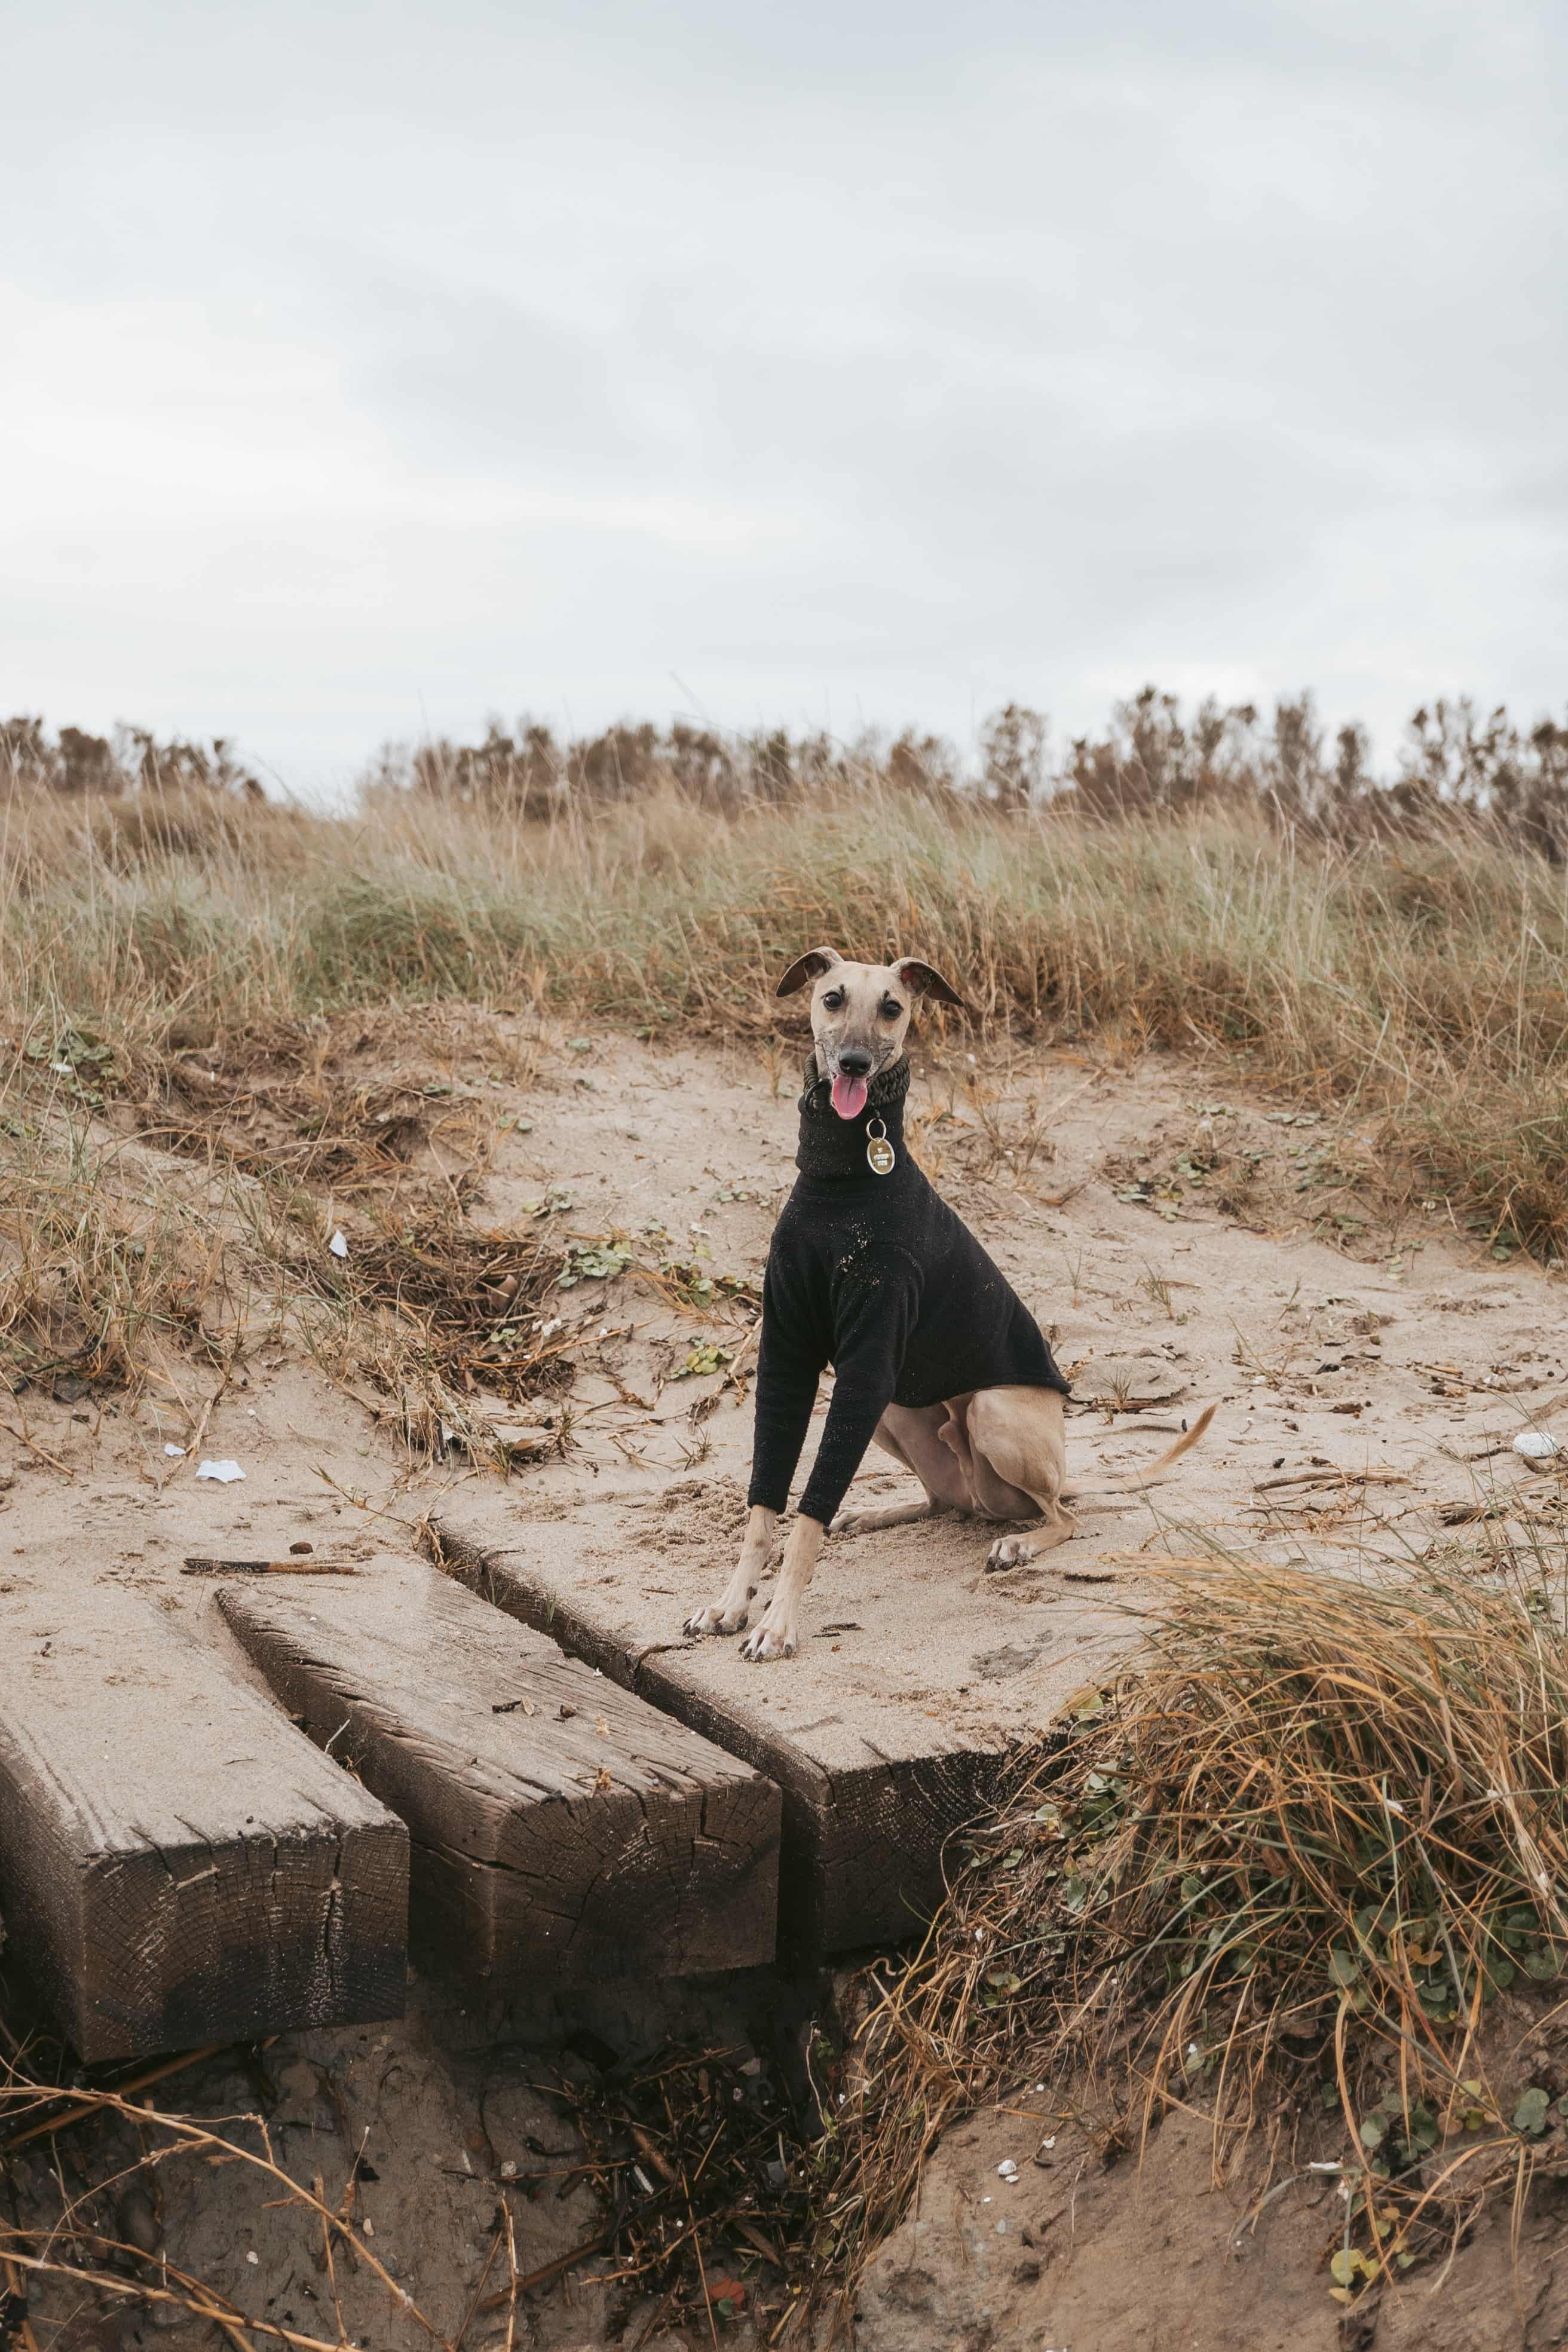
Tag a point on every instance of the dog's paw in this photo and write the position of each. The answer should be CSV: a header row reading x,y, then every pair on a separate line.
x,y
717,1619
846,1523
1009,1551
769,1641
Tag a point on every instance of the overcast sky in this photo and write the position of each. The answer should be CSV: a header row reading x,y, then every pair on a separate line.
x,y
369,370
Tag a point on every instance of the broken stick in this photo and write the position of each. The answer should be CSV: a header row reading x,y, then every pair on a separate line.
x,y
198,1566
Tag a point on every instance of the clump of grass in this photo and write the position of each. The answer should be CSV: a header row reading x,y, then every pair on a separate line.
x,y
475,1297
1305,1848
290,1104
102,1284
445,1318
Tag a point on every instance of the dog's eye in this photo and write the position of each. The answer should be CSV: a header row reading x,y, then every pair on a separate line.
x,y
833,1001
891,1011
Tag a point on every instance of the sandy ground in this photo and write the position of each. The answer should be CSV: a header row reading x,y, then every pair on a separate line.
x,y
1148,2256
1182,1242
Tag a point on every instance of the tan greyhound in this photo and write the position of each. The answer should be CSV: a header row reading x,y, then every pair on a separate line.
x,y
936,1359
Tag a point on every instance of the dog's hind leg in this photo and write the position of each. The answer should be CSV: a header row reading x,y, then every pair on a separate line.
x,y
1018,1451
912,1435
892,1515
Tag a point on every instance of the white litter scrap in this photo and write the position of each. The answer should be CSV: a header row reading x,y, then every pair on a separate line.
x,y
177,1452
338,1247
1006,2170
1536,1445
225,1472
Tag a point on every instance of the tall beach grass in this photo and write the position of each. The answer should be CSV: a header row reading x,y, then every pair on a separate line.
x,y
1419,980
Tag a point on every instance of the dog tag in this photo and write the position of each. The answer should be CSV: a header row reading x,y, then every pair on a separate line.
x,y
878,1150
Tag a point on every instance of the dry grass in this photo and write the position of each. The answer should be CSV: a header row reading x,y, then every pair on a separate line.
x,y
449,1320
103,1283
1420,981
1284,1873
209,972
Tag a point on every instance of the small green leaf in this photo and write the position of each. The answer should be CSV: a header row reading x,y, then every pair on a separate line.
x,y
1373,2131
1477,2113
555,1203
593,1262
1345,2267
1529,2115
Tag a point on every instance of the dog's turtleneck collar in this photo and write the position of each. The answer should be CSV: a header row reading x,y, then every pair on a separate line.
x,y
831,1146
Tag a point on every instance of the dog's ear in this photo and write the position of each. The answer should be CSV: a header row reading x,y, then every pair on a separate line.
x,y
810,966
924,980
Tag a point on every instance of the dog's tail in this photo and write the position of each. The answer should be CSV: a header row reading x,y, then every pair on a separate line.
x,y
1132,1482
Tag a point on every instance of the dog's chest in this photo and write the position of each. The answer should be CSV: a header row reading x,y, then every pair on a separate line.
x,y
875,1242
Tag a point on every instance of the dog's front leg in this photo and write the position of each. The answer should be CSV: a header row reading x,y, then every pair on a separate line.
x,y
775,1637
728,1614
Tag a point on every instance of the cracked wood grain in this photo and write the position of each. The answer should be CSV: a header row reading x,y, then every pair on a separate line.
x,y
177,1866
864,1819
562,1827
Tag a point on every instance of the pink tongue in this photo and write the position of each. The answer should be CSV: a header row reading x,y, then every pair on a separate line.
x,y
848,1095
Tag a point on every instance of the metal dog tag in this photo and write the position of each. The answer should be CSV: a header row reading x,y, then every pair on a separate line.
x,y
878,1150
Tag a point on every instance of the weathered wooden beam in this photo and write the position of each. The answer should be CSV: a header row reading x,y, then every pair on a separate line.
x,y
563,1829
880,1749
177,1866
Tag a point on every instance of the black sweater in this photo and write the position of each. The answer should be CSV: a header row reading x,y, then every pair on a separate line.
x,y
877,1276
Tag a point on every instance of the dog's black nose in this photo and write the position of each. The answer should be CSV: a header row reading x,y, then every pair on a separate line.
x,y
853,1064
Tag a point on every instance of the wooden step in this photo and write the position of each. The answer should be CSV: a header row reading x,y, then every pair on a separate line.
x,y
177,1866
882,1745
562,1828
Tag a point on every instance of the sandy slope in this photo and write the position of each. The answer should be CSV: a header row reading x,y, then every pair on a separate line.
x,y
1161,1227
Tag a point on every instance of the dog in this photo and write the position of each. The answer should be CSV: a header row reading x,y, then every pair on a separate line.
x,y
935,1357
